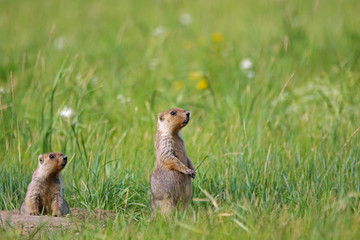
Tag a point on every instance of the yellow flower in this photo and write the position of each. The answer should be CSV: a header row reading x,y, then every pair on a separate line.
x,y
202,84
217,37
196,75
178,85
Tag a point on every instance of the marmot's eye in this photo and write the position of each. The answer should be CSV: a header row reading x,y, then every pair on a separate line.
x,y
173,113
51,156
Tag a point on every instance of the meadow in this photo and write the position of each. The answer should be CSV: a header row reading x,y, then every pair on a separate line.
x,y
272,86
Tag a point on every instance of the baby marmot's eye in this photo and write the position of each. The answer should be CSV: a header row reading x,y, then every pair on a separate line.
x,y
51,156
173,113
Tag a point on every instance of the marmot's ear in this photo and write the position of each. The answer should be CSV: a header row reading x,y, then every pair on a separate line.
x,y
41,159
161,117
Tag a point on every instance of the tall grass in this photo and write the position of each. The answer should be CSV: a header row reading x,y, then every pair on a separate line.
x,y
267,142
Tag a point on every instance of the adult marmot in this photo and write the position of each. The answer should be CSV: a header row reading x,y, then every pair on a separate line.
x,y
44,194
171,179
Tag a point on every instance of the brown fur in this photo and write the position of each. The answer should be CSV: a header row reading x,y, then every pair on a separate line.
x,y
44,194
171,179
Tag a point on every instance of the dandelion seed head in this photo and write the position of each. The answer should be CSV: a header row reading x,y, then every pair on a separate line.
x,y
245,64
185,19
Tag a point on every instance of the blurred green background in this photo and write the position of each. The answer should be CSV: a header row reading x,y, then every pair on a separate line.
x,y
273,88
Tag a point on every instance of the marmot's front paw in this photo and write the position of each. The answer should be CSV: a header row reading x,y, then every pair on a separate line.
x,y
35,213
191,172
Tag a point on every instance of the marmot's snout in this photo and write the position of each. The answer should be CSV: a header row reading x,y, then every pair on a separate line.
x,y
64,161
187,117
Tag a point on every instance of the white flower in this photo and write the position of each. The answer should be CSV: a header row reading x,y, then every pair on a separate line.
x,y
250,74
59,43
185,19
123,99
158,31
246,64
66,112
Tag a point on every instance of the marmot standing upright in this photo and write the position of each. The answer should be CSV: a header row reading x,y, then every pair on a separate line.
x,y
44,194
171,178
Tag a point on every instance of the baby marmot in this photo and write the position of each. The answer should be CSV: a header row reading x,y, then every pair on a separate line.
x,y
44,194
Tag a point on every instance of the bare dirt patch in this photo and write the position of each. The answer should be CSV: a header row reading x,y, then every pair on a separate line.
x,y
25,224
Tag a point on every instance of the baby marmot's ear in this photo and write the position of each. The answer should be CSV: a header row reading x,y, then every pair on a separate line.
x,y
161,117
41,159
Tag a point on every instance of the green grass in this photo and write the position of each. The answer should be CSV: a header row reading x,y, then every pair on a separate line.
x,y
269,150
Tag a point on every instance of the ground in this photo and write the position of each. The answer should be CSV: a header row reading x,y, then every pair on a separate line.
x,y
28,224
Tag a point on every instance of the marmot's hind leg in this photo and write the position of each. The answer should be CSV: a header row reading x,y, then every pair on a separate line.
x,y
59,207
23,208
65,209
163,206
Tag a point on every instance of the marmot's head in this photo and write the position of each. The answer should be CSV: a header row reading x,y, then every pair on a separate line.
x,y
52,163
173,120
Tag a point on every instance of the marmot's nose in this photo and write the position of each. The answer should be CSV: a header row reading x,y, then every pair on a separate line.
x,y
188,114
64,161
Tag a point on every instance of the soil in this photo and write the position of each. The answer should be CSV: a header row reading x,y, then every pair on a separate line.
x,y
27,224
